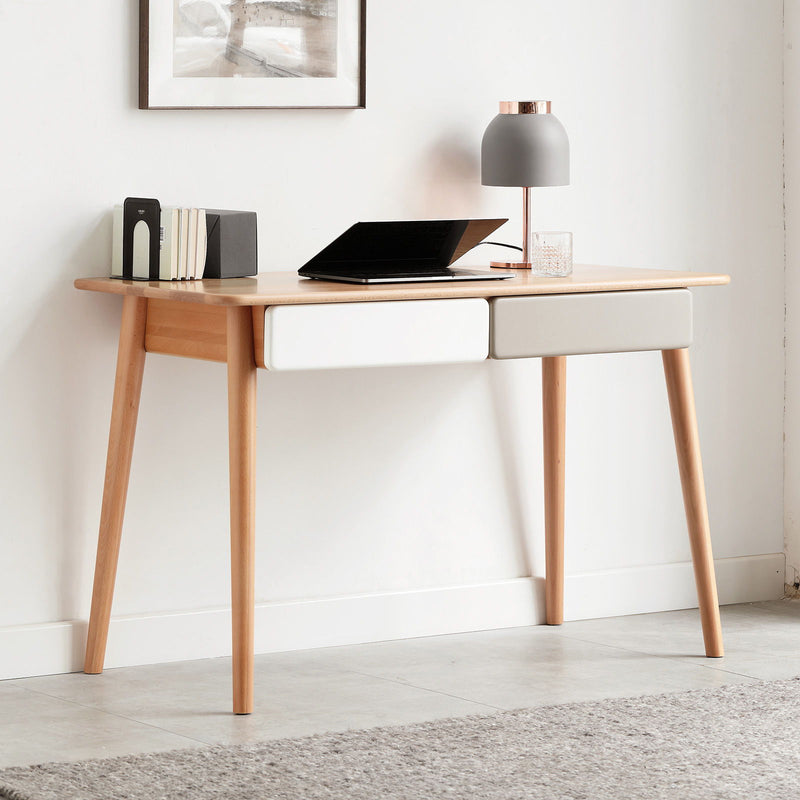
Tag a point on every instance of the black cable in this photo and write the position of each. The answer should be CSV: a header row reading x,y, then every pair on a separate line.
x,y
503,244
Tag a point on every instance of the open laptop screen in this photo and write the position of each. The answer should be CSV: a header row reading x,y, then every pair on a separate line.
x,y
405,245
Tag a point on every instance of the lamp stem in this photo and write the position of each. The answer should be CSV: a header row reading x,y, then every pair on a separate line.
x,y
527,232
527,237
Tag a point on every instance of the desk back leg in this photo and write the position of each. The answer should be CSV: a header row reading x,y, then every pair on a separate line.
x,y
554,407
687,444
124,412
242,431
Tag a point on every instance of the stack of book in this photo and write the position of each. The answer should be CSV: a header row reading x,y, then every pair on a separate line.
x,y
183,243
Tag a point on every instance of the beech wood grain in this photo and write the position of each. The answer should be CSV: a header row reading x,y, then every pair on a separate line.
x,y
124,413
286,288
191,331
677,372
554,415
242,450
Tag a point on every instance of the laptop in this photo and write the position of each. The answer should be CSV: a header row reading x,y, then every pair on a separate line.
x,y
403,252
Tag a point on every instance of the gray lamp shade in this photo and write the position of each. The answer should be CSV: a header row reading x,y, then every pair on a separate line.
x,y
525,147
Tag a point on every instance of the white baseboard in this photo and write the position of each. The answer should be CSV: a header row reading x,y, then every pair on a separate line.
x,y
57,647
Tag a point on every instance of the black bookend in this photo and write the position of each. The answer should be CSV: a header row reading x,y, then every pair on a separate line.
x,y
141,239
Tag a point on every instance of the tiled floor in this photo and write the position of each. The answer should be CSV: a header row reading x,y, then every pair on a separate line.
x,y
164,706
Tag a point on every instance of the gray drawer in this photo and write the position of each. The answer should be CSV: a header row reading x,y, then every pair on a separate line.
x,y
600,322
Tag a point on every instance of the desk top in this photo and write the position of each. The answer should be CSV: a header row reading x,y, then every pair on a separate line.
x,y
286,288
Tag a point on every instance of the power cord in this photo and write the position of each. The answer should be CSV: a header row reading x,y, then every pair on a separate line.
x,y
503,244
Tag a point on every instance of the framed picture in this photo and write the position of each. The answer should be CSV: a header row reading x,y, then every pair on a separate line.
x,y
252,53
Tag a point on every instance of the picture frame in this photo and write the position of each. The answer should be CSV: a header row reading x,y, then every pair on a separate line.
x,y
225,54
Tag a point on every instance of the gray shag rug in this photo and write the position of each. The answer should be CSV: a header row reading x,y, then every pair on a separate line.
x,y
739,741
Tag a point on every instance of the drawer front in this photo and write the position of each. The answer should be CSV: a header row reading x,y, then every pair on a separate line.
x,y
325,336
602,322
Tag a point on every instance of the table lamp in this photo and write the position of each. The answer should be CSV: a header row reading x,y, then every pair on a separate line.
x,y
524,145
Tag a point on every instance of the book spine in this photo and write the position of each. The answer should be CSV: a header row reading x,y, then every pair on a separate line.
x,y
192,251
165,245
202,243
176,239
184,243
116,243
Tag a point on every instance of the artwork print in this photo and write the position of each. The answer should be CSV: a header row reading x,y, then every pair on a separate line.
x,y
251,53
262,39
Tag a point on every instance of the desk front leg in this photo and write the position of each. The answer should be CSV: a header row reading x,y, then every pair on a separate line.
x,y
554,407
242,432
687,444
124,413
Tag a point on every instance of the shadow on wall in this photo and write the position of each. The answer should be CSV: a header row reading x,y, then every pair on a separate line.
x,y
447,182
131,44
386,451
508,445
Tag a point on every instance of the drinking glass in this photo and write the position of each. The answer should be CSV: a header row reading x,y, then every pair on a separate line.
x,y
551,253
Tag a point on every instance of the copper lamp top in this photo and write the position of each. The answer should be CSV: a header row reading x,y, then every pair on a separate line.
x,y
524,106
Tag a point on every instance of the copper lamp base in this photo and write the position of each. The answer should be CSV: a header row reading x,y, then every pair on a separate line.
x,y
511,265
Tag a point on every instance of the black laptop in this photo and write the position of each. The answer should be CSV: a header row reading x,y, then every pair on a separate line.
x,y
400,252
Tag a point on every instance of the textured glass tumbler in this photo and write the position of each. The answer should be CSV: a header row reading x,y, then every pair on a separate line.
x,y
551,253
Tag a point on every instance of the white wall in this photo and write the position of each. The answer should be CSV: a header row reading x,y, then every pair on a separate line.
x,y
792,191
426,478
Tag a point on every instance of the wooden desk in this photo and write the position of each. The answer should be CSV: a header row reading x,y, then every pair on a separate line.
x,y
244,322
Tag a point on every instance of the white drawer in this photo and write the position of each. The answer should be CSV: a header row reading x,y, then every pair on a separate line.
x,y
324,336
600,322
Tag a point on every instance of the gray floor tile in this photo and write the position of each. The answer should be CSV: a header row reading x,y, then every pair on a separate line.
x,y
295,696
788,606
159,707
765,668
520,667
761,639
35,728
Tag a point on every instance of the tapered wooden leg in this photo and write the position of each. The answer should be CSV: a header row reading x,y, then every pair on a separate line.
x,y
554,404
242,431
124,412
687,443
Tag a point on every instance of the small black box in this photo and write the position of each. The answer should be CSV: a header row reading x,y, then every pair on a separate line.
x,y
231,244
